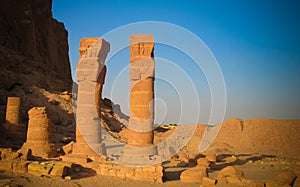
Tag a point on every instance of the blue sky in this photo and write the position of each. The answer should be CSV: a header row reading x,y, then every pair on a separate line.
x,y
256,43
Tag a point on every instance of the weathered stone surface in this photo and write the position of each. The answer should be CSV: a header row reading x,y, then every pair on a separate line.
x,y
193,175
6,153
211,157
38,169
230,174
20,167
61,169
68,148
90,72
39,134
208,182
26,154
141,93
33,52
203,162
286,178
6,165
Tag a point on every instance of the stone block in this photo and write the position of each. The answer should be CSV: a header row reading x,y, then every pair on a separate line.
x,y
193,175
6,165
81,159
68,148
202,162
61,169
20,167
211,157
39,169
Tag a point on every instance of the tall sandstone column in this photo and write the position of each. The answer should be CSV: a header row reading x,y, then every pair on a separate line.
x,y
90,74
141,93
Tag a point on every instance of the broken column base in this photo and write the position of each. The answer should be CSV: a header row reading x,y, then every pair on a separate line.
x,y
139,156
41,150
84,151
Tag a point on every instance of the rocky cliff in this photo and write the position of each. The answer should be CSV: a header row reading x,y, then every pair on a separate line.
x,y
33,52
33,44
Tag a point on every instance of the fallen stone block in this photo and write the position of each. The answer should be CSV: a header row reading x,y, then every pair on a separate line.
x,y
5,165
20,167
211,157
61,169
68,149
202,162
230,174
39,169
193,175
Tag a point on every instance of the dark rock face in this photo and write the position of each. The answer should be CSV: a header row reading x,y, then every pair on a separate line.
x,y
33,54
28,32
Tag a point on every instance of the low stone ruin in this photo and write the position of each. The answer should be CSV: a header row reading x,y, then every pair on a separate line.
x,y
39,134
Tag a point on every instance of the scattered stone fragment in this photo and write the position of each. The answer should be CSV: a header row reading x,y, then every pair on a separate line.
x,y
193,175
181,164
211,157
203,162
68,148
230,174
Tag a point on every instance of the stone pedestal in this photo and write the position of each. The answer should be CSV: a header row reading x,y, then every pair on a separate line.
x,y
39,134
140,136
90,73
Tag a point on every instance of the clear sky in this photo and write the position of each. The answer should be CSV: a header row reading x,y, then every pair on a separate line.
x,y
256,43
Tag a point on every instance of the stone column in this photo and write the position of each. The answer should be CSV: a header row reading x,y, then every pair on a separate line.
x,y
141,94
14,131
13,110
39,134
90,74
